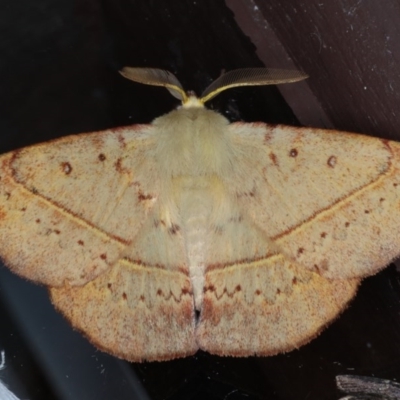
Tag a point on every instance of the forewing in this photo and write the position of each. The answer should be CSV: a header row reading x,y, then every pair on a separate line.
x,y
329,200
69,207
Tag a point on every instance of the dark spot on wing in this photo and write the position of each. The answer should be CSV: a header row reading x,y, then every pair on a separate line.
x,y
142,196
293,153
274,158
119,167
174,229
66,168
332,161
186,291
209,288
218,229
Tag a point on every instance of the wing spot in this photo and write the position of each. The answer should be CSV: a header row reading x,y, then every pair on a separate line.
x,y
109,286
121,140
300,250
81,242
124,296
218,229
56,231
381,199
210,288
103,256
159,292
324,265
332,160
294,281
141,298
323,234
238,288
236,219
66,168
347,224
377,230
38,221
174,229
278,291
23,209
257,292
102,157
366,211
142,196
247,194
119,167
293,153
274,159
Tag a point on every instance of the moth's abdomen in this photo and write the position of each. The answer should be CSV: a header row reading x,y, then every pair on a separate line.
x,y
195,205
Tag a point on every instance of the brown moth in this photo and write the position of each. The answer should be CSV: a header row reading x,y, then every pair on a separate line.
x,y
193,233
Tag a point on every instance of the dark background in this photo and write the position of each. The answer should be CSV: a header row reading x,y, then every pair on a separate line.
x,y
58,76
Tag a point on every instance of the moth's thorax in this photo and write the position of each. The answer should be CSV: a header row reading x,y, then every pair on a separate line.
x,y
191,141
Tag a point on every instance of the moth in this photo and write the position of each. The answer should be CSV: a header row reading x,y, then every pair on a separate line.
x,y
195,233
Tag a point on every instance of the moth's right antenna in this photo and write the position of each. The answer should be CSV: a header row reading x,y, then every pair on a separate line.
x,y
251,77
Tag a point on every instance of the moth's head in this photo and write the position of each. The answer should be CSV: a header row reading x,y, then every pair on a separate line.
x,y
235,78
